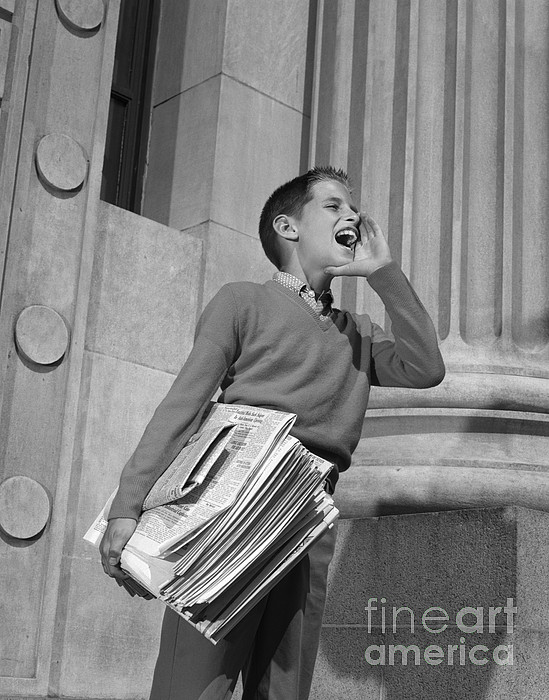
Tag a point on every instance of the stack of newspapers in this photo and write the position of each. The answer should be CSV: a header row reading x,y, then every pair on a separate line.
x,y
236,509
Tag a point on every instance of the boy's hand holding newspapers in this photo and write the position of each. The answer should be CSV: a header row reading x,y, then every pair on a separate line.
x,y
117,534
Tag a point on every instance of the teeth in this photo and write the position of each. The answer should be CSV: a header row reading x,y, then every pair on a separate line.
x,y
347,238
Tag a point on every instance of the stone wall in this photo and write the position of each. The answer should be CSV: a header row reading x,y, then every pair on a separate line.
x,y
464,594
136,340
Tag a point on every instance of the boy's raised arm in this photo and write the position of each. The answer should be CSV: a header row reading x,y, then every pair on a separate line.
x,y
413,358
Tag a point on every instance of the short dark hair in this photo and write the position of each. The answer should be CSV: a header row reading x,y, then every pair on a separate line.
x,y
289,199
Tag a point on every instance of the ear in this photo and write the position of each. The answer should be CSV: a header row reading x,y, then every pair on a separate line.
x,y
285,227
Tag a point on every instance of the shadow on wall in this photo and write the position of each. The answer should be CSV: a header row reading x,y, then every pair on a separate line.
x,y
425,583
533,334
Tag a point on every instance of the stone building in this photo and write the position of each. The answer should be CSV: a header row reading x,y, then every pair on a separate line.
x,y
134,164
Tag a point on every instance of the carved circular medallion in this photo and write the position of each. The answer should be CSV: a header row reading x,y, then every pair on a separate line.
x,y
41,335
61,162
85,15
24,507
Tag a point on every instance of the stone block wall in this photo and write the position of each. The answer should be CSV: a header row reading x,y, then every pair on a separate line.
x,y
228,124
137,339
427,582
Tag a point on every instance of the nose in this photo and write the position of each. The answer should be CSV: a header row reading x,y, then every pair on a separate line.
x,y
353,217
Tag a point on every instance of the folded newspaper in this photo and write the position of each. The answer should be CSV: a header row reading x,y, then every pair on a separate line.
x,y
238,507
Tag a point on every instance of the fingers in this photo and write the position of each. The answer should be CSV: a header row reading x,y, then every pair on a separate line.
x,y
366,228
123,583
135,588
347,270
117,534
370,253
371,228
110,557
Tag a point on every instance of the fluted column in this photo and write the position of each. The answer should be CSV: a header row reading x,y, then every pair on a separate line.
x,y
445,138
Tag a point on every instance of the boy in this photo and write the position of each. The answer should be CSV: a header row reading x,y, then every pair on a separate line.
x,y
281,345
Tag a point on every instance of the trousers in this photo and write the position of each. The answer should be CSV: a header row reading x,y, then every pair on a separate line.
x,y
274,646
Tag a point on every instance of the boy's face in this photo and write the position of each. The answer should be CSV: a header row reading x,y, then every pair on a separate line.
x,y
327,227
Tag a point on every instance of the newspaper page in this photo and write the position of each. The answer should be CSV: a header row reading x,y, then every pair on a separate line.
x,y
230,570
249,502
295,535
251,531
289,556
215,620
252,437
191,465
95,533
250,527
211,576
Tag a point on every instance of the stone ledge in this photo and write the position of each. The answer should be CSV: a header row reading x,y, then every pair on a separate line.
x,y
366,491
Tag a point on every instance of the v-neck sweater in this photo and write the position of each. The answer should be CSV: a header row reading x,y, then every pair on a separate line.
x,y
265,346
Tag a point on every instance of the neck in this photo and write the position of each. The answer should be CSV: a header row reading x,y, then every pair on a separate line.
x,y
319,282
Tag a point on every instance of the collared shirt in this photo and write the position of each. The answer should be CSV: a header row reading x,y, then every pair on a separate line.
x,y
322,306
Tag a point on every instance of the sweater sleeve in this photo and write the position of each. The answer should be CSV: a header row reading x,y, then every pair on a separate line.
x,y
180,413
413,358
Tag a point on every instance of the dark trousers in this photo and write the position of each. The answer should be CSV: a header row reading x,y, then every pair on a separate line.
x,y
274,646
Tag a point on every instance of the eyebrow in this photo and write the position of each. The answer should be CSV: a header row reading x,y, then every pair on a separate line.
x,y
338,200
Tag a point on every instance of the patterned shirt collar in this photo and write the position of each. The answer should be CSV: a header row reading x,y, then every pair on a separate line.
x,y
323,305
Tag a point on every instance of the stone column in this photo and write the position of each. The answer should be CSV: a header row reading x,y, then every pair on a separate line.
x,y
438,111
54,115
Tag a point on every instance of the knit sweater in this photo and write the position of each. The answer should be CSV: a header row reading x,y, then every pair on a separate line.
x,y
265,346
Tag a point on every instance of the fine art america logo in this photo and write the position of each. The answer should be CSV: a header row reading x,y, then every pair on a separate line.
x,y
435,620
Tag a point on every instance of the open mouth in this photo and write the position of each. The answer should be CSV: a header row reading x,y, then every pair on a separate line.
x,y
348,238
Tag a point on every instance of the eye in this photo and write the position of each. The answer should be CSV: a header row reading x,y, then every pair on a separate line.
x,y
335,207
